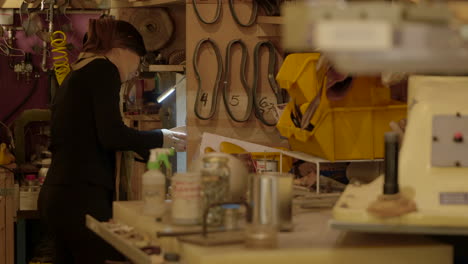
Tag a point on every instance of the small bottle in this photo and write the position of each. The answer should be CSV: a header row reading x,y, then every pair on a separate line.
x,y
31,182
154,187
43,170
171,258
29,193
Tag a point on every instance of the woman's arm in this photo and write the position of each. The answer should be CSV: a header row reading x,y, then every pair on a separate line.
x,y
112,133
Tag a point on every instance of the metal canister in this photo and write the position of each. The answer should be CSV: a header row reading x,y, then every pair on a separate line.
x,y
261,232
271,199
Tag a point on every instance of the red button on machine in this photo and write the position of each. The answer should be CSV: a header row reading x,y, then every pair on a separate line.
x,y
458,137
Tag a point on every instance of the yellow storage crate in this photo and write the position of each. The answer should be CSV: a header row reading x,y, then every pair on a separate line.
x,y
296,73
349,129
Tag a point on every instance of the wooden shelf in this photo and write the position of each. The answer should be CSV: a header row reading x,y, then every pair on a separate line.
x,y
166,68
144,3
91,7
276,20
268,26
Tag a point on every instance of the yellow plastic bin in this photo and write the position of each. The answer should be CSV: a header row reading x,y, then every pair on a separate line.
x,y
344,133
349,129
298,76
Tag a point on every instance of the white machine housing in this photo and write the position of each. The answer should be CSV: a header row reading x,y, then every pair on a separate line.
x,y
432,167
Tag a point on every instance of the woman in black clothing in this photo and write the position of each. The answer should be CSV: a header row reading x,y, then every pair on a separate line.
x,y
87,130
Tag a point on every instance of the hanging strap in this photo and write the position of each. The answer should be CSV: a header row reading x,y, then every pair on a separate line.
x,y
253,16
271,79
214,97
243,79
216,17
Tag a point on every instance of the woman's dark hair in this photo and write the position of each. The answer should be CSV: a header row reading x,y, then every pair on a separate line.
x,y
107,33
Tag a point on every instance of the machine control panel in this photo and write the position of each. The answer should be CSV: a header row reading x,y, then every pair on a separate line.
x,y
449,149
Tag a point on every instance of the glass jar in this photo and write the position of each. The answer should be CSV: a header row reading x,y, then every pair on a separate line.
x,y
215,187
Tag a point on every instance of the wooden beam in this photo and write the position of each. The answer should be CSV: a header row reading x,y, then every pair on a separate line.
x,y
270,20
3,224
268,30
10,212
144,3
166,68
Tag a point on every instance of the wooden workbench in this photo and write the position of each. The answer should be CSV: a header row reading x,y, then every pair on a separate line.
x,y
312,241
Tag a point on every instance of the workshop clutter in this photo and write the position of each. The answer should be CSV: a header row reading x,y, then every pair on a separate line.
x,y
5,155
258,162
350,128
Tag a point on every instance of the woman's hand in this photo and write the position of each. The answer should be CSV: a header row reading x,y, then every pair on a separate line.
x,y
176,140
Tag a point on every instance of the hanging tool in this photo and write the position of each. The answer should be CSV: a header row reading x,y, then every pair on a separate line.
x,y
296,115
214,97
50,19
259,105
271,7
312,107
61,65
216,17
155,25
253,16
243,79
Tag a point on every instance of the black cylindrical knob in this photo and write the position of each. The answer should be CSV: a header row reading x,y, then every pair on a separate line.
x,y
391,163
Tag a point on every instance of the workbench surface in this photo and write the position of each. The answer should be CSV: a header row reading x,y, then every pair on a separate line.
x,y
312,241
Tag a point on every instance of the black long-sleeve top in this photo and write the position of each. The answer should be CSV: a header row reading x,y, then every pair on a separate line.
x,y
87,128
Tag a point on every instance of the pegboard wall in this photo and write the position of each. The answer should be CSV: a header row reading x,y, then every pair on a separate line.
x,y
222,32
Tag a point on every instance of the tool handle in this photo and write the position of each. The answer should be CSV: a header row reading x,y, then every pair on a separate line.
x,y
391,163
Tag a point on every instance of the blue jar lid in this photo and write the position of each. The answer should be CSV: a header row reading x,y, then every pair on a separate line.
x,y
230,206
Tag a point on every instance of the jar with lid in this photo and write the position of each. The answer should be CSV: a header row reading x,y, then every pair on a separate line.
x,y
29,193
30,183
231,216
215,187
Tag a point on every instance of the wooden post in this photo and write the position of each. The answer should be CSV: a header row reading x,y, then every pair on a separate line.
x,y
7,211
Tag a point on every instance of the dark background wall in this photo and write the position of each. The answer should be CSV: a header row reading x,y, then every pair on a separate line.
x,y
13,91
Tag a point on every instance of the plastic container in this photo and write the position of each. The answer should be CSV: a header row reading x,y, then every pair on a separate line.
x,y
299,77
349,129
29,193
186,199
